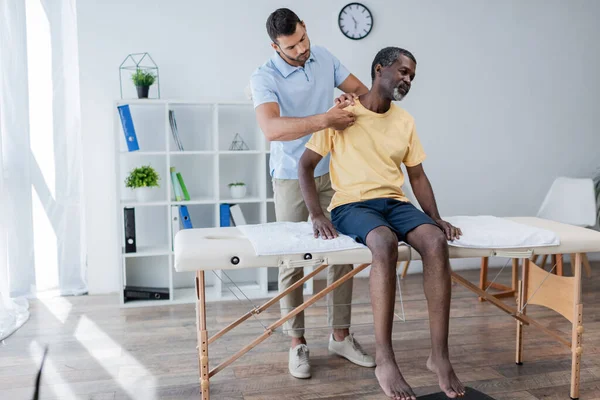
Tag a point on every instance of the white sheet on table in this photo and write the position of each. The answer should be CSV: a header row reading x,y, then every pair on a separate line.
x,y
478,232
292,238
488,232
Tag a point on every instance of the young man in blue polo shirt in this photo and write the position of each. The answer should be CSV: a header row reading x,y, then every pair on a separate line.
x,y
293,94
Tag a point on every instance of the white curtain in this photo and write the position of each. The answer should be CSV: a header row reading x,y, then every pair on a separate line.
x,y
41,215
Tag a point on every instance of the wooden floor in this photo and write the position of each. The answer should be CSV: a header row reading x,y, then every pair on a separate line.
x,y
100,351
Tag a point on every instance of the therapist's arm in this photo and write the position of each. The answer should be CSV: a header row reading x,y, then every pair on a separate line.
x,y
351,86
424,193
322,226
278,128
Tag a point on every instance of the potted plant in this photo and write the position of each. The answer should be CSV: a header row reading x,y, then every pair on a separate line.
x,y
237,190
142,180
142,81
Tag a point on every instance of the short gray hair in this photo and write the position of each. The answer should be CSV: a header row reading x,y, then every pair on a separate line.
x,y
387,56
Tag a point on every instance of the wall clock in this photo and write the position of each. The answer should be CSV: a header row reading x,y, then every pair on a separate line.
x,y
355,21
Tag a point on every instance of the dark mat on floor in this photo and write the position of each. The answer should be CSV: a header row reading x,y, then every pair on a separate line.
x,y
470,394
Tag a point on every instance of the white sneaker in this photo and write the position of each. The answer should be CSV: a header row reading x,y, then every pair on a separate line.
x,y
298,363
351,350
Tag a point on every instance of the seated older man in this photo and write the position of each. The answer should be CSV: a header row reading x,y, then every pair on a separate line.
x,y
370,206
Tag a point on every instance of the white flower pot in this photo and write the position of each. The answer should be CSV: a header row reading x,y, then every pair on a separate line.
x,y
144,194
237,192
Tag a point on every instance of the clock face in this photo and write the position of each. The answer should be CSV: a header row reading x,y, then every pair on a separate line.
x,y
355,21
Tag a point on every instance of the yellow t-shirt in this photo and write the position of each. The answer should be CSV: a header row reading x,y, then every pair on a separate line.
x,y
365,157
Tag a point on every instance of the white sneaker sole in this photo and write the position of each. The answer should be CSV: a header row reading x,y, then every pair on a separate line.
x,y
300,375
357,362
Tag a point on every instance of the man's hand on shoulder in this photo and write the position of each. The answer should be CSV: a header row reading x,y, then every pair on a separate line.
x,y
450,230
346,97
324,228
338,118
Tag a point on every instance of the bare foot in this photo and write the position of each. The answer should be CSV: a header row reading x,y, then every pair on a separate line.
x,y
391,381
449,382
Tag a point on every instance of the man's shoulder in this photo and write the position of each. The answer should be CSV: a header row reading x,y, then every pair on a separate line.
x,y
321,51
402,114
264,75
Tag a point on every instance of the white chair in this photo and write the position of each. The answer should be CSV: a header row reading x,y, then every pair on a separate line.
x,y
571,201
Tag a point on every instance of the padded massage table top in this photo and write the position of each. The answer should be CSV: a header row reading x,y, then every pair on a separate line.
x,y
227,248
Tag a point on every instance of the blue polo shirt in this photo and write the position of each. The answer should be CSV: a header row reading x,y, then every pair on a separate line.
x,y
300,92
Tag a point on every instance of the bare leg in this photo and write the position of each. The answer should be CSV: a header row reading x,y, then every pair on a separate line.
x,y
383,244
431,244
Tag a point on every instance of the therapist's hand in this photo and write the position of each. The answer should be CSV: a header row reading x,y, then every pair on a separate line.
x,y
338,118
349,97
323,227
450,230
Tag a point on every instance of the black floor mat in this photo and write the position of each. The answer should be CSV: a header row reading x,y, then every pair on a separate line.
x,y
470,394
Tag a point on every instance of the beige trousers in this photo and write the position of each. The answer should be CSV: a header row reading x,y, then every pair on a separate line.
x,y
289,206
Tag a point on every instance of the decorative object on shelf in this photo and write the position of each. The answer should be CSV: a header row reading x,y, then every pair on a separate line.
x,y
355,21
143,180
145,73
237,190
238,143
142,81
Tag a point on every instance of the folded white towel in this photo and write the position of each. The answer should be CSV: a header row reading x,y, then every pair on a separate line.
x,y
486,232
292,238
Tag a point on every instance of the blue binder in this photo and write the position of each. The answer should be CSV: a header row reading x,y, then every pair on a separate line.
x,y
185,217
225,215
128,129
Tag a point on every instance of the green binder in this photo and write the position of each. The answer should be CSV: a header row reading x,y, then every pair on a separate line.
x,y
186,195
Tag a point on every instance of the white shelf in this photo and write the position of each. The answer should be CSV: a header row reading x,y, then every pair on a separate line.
x,y
242,200
144,153
240,152
191,152
149,251
207,166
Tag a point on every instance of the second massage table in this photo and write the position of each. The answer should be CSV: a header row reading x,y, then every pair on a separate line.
x,y
227,248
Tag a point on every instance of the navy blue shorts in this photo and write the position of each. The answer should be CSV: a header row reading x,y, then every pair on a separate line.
x,y
358,219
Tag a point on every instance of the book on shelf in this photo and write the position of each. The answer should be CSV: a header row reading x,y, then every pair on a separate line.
x,y
179,188
145,293
186,195
175,224
186,221
128,128
174,130
231,215
176,186
129,225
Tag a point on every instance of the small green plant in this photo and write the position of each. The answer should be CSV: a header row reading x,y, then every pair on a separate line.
x,y
144,176
236,184
142,78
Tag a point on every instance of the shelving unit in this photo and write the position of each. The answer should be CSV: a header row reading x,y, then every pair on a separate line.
x,y
206,130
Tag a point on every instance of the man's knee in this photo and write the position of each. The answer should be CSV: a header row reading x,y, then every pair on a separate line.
x,y
383,243
435,243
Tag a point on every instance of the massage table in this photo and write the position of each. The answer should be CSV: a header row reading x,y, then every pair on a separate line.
x,y
226,248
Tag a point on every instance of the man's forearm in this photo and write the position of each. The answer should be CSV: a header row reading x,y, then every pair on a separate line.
x,y
309,191
424,194
291,128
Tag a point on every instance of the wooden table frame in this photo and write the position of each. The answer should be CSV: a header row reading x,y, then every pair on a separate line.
x,y
536,286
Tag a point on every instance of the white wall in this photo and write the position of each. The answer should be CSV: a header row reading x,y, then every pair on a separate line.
x,y
505,97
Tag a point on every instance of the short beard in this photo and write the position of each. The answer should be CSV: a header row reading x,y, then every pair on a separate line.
x,y
396,95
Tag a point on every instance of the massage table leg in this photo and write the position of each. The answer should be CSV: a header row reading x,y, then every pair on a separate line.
x,y
577,330
405,269
203,340
537,287
505,291
521,309
202,334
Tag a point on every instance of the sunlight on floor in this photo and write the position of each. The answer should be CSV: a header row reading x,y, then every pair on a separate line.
x,y
58,306
141,385
57,385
